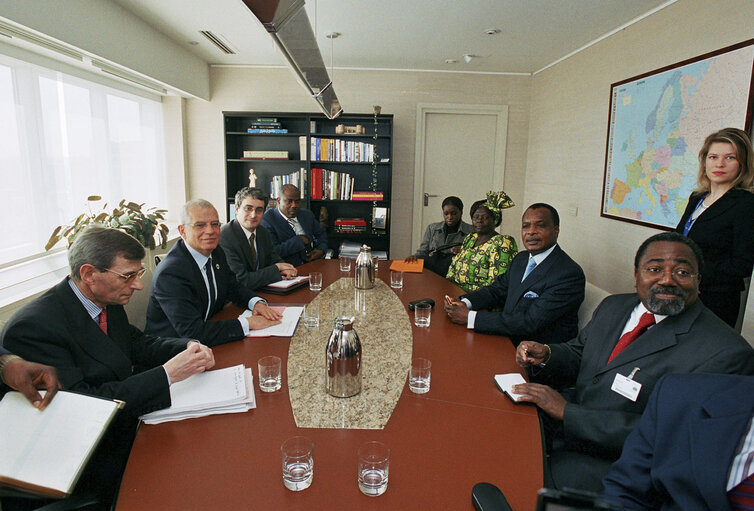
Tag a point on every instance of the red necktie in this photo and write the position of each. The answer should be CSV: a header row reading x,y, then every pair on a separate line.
x,y
103,321
645,321
742,496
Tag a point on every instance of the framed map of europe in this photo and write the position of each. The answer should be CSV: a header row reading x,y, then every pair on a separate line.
x,y
657,124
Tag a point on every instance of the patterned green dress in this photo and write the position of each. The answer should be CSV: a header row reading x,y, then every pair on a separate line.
x,y
475,267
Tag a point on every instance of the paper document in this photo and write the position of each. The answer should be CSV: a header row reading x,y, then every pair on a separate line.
x,y
285,328
401,265
505,381
284,284
228,390
45,452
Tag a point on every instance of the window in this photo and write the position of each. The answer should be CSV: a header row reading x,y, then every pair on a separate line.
x,y
63,138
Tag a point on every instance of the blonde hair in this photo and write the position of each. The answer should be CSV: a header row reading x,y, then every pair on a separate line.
x,y
744,154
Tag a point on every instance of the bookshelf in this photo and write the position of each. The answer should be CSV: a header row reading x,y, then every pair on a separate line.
x,y
319,159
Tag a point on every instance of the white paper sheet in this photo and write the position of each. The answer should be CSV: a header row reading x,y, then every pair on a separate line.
x,y
506,381
287,326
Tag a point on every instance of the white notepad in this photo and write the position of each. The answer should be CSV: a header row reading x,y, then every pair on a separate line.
x,y
285,328
44,452
505,381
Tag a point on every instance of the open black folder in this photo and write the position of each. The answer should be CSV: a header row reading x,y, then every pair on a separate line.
x,y
44,453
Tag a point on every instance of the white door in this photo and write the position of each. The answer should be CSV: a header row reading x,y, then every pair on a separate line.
x,y
460,151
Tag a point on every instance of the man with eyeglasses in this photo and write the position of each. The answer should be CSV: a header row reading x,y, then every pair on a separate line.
x,y
616,360
297,235
81,329
248,245
194,282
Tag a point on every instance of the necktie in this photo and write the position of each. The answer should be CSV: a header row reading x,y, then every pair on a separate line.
x,y
645,321
103,321
529,268
211,281
742,496
253,251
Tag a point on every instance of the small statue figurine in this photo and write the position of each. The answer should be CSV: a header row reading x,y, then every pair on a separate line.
x,y
252,179
324,216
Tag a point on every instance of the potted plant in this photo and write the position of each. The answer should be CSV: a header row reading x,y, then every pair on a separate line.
x,y
146,225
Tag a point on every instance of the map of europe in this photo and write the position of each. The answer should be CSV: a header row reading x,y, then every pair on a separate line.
x,y
657,126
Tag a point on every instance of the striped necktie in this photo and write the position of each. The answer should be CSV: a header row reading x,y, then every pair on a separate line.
x,y
103,321
211,282
529,267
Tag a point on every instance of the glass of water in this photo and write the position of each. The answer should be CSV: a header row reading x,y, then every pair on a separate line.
x,y
422,314
419,376
315,281
269,373
298,463
311,315
396,279
374,461
345,264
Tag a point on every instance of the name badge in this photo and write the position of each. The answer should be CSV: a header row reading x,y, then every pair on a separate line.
x,y
626,386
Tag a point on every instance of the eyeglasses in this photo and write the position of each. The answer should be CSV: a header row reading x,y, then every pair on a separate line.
x,y
679,274
200,226
129,277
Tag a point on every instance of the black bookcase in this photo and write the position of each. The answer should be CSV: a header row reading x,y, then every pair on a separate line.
x,y
304,133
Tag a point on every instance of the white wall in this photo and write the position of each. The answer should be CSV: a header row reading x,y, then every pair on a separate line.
x,y
568,127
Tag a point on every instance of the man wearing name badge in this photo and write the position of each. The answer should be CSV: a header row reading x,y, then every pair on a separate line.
x,y
693,447
27,377
194,282
616,360
80,328
297,235
540,294
248,246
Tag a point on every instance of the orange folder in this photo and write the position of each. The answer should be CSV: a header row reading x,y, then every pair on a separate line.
x,y
401,265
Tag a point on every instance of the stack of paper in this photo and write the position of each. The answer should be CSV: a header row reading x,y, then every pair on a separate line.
x,y
229,390
505,382
285,328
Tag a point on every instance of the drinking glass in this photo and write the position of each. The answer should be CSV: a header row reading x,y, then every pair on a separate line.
x,y
298,463
374,461
422,314
345,264
419,376
269,373
396,279
315,281
311,315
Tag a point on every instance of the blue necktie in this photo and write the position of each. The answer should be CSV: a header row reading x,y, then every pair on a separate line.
x,y
529,268
211,281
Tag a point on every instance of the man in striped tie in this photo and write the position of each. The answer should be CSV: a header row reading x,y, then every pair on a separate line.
x,y
616,360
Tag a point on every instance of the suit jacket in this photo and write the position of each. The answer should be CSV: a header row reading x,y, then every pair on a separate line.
x,y
543,308
725,233
287,244
3,351
679,456
178,301
237,250
597,420
434,237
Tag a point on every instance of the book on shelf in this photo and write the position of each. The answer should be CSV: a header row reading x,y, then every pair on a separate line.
x,y
302,147
335,149
297,178
367,195
331,185
265,155
264,119
267,130
44,453
265,124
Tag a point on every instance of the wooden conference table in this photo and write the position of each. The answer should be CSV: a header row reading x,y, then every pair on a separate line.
x,y
463,431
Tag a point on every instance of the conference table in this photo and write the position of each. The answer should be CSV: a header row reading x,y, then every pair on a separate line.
x,y
463,431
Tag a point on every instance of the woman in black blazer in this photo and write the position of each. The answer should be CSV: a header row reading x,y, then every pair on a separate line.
x,y
719,217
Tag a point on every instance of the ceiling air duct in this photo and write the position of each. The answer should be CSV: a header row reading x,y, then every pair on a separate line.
x,y
289,26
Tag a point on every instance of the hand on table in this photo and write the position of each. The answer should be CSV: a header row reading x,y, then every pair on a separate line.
x,y
287,271
27,377
410,259
263,310
546,398
196,358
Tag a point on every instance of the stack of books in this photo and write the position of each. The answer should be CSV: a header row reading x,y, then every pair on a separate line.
x,y
266,125
328,184
329,149
297,178
350,225
265,155
367,195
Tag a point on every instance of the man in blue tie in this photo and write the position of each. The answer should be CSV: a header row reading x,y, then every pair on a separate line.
x,y
194,282
540,294
610,369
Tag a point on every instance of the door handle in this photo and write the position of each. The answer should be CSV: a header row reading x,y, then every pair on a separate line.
x,y
426,198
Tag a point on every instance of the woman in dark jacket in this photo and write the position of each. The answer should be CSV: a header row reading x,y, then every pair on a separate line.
x,y
719,217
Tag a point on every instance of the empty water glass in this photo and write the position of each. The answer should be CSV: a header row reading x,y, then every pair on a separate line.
x,y
419,376
374,462
315,281
269,374
396,279
345,264
298,463
311,315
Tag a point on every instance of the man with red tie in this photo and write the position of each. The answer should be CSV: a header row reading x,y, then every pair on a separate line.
x,y
616,360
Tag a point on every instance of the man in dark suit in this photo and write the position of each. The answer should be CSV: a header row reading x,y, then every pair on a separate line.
x,y
27,377
616,360
691,446
80,328
540,294
194,282
297,235
248,246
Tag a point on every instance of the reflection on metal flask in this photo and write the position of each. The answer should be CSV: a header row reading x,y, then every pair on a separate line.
x,y
343,359
364,269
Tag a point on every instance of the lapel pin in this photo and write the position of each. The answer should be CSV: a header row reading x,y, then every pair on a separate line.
x,y
217,266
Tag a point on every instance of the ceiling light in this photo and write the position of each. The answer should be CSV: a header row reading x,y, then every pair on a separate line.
x,y
451,61
467,57
492,31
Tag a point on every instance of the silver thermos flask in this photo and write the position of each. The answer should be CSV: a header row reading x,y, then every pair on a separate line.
x,y
364,269
343,359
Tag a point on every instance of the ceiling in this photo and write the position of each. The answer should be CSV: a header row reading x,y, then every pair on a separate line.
x,y
404,34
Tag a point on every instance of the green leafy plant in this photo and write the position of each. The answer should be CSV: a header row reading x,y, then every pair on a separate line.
x,y
146,225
